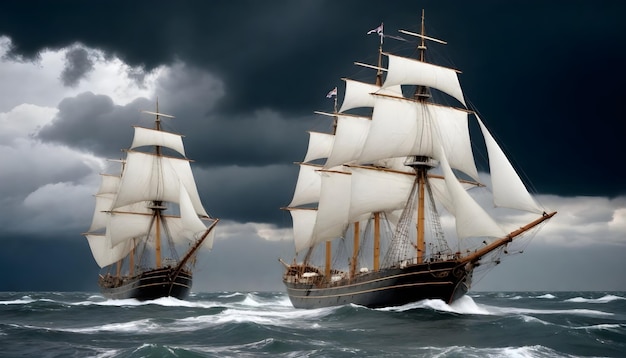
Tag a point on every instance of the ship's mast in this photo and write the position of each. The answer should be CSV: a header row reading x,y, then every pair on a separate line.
x,y
379,83
157,205
421,164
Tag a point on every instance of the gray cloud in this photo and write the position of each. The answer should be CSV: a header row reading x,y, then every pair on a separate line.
x,y
95,124
78,64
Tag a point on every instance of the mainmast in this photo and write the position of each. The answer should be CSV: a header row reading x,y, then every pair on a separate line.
x,y
421,164
157,205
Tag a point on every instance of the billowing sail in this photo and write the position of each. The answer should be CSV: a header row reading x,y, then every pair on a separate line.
x,y
349,136
402,127
151,177
303,224
406,71
308,185
508,189
152,137
471,219
375,190
333,208
102,251
320,145
359,94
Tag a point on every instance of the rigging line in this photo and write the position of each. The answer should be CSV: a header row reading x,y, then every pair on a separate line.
x,y
436,228
400,242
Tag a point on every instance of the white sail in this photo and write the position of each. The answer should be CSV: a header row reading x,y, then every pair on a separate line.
x,y
190,220
508,189
377,190
100,215
350,136
123,226
109,184
320,145
188,227
359,94
303,223
102,251
151,177
308,185
440,192
332,215
151,137
406,71
403,127
471,219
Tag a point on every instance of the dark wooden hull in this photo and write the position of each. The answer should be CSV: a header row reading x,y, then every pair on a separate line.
x,y
148,285
445,280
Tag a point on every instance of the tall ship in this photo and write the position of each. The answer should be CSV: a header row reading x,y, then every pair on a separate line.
x,y
389,207
145,215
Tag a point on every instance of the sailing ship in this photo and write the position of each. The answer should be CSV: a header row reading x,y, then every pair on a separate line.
x,y
386,198
145,215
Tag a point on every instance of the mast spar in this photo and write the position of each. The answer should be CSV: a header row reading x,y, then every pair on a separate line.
x,y
157,206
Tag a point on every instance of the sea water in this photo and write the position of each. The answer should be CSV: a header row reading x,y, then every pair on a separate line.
x,y
264,324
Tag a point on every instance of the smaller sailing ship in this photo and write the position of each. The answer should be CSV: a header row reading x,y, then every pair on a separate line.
x,y
145,215
372,196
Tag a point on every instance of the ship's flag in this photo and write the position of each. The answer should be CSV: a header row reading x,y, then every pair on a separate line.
x,y
333,92
378,30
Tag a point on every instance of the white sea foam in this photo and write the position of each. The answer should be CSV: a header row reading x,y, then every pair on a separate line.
x,y
231,295
536,351
546,296
514,310
163,301
602,327
21,301
464,305
603,299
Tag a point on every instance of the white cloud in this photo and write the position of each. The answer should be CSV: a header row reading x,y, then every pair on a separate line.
x,y
230,229
39,82
23,120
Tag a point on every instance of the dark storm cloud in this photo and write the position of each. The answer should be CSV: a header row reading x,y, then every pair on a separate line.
x,y
77,65
94,123
249,194
544,76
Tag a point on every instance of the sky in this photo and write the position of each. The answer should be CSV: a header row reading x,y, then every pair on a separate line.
x,y
243,79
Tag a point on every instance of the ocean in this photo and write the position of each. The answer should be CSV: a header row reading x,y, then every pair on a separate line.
x,y
264,324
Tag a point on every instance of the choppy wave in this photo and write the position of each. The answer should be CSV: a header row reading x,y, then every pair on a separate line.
x,y
252,324
603,299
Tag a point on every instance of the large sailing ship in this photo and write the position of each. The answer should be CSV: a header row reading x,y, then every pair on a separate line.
x,y
382,211
145,215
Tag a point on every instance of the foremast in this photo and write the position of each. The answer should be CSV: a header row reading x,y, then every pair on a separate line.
x,y
422,164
